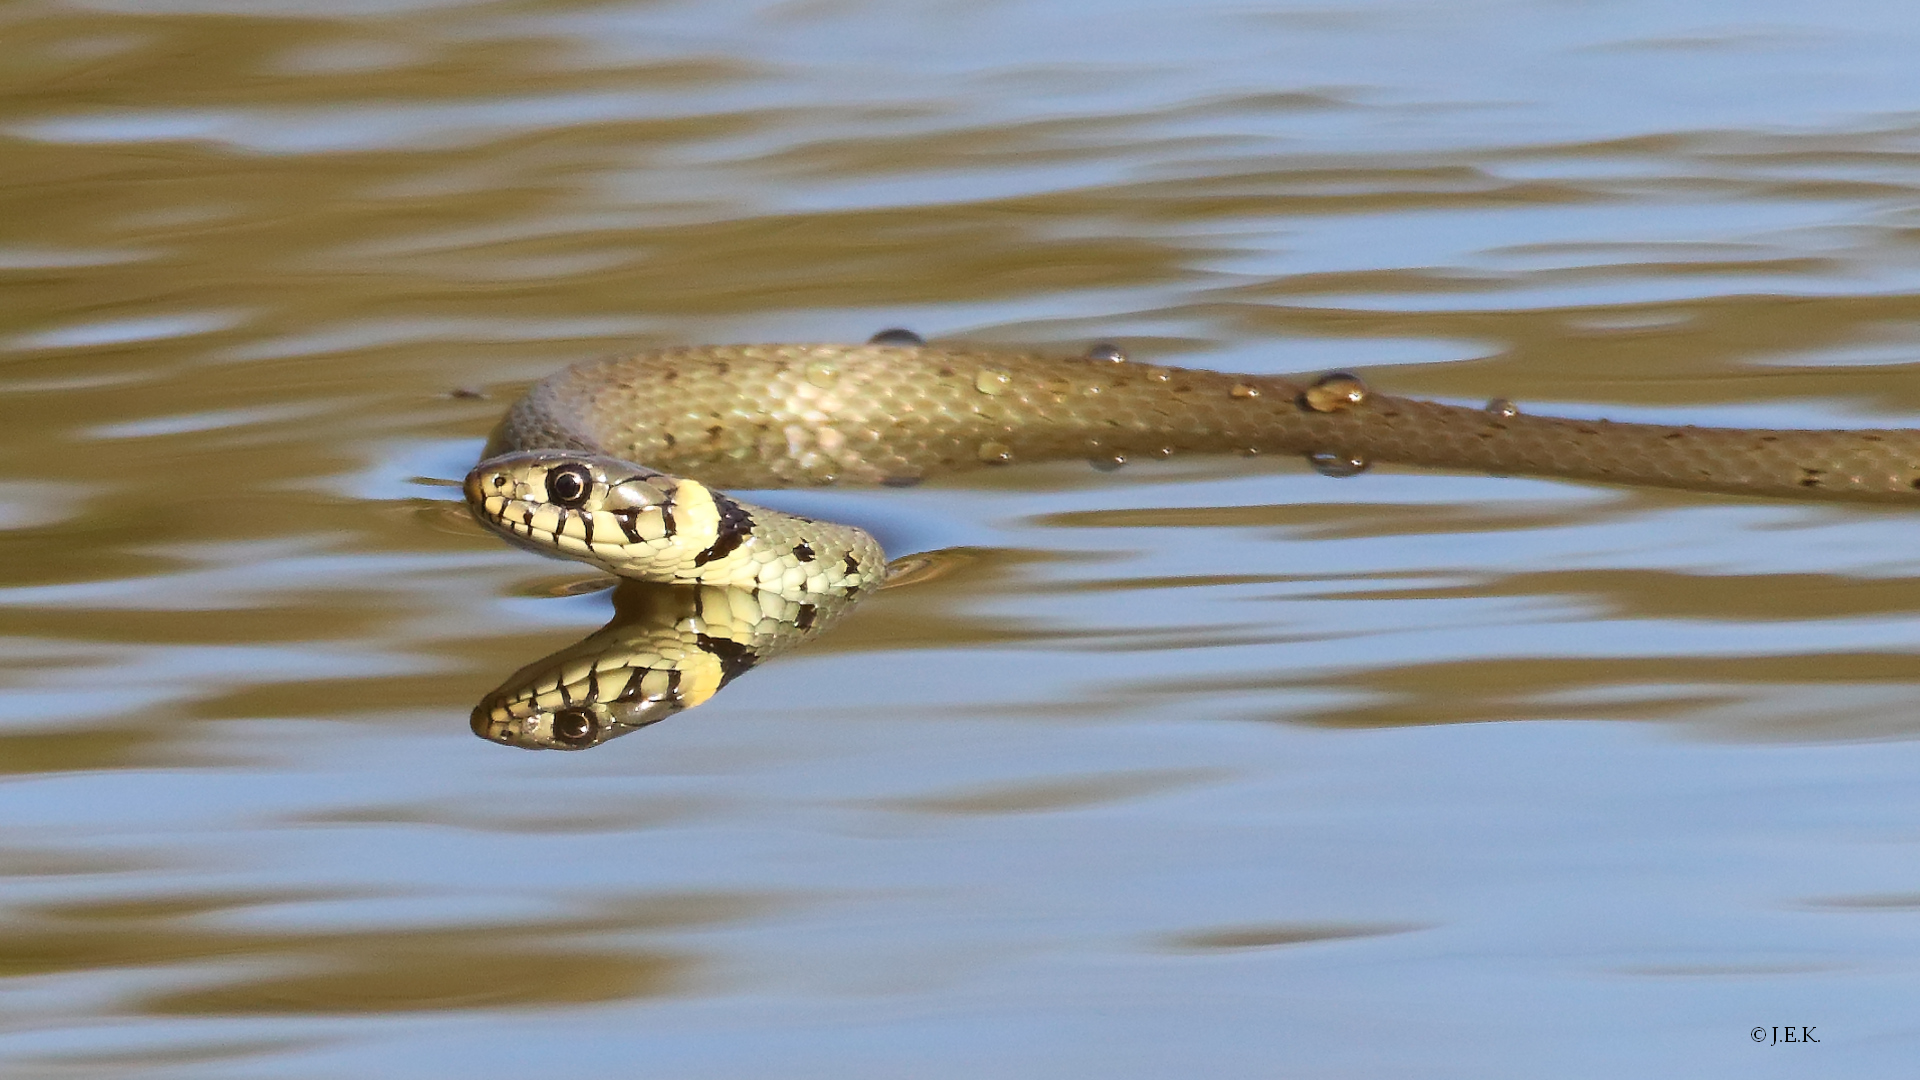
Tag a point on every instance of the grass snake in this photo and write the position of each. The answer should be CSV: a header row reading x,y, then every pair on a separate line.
x,y
560,475
717,584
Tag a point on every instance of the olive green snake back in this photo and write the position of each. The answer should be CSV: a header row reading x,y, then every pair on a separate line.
x,y
783,415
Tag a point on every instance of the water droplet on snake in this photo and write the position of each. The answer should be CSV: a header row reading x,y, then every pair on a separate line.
x,y
1502,408
995,453
1108,463
1159,374
822,375
895,335
1332,393
1244,391
992,381
1107,351
1337,465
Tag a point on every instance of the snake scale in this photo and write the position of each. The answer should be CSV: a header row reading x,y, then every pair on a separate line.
x,y
718,584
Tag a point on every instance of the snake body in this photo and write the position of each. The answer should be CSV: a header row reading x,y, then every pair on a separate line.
x,y
759,416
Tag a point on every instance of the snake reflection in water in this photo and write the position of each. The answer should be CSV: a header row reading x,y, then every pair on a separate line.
x,y
562,475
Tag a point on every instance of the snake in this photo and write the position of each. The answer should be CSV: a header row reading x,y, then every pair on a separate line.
x,y
562,471
714,583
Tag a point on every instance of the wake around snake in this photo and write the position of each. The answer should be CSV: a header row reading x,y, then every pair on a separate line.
x,y
622,463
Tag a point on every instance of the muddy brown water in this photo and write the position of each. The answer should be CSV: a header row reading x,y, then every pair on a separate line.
x,y
1204,768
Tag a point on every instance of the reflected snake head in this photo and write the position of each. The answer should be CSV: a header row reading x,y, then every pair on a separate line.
x,y
516,721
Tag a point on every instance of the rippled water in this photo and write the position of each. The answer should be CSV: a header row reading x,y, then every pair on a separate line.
x,y
1185,770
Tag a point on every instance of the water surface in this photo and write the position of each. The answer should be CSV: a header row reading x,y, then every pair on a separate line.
x,y
1195,768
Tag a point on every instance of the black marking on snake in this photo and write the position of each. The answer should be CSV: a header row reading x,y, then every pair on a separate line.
x,y
733,529
631,691
802,552
853,564
667,527
734,657
586,526
803,618
629,523
673,685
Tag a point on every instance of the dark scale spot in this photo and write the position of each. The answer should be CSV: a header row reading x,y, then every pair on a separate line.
x,y
1915,485
735,525
802,552
853,564
734,657
715,432
896,336
1810,477
899,481
629,523
586,527
632,692
667,525
1675,435
804,617
668,436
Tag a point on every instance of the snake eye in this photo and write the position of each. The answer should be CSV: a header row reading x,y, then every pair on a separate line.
x,y
569,485
574,727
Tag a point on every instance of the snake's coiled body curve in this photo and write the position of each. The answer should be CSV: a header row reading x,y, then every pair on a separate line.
x,y
756,416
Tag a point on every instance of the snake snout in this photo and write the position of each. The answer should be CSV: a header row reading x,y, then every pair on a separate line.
x,y
475,486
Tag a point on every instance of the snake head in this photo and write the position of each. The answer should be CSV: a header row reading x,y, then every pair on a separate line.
x,y
570,504
520,722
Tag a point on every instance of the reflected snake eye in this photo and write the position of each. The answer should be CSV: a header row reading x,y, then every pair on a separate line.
x,y
574,727
569,485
